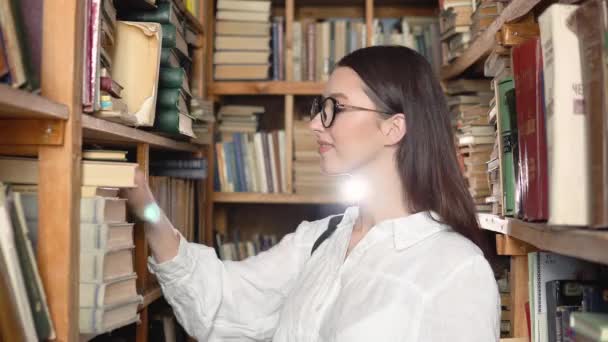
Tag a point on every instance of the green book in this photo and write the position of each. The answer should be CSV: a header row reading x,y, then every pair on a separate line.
x,y
172,38
174,78
169,58
171,98
593,326
508,132
165,13
172,122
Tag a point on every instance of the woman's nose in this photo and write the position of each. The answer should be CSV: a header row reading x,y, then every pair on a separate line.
x,y
315,124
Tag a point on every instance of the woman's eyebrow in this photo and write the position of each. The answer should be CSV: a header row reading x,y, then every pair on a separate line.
x,y
338,96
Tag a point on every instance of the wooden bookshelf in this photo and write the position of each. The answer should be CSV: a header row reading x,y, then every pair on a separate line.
x,y
266,88
274,198
483,44
98,130
150,296
557,239
19,104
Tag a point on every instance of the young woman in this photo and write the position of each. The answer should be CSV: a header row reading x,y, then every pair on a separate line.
x,y
406,264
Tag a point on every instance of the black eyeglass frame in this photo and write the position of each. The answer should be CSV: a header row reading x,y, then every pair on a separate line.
x,y
318,107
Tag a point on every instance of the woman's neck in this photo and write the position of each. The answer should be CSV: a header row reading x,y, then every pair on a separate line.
x,y
384,196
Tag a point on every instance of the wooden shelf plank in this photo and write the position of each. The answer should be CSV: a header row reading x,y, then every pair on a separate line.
x,y
261,198
559,239
20,104
95,129
150,296
266,88
483,44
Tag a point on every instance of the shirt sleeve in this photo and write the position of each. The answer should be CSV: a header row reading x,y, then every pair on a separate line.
x,y
218,300
465,307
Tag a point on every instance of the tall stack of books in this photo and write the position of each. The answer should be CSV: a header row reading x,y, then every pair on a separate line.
x,y
455,26
239,118
102,94
253,162
469,101
108,297
308,178
21,44
242,40
174,95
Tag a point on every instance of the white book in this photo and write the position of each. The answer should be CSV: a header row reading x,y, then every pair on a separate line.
x,y
259,153
567,155
108,293
103,210
98,320
12,274
244,5
100,265
105,236
282,160
273,163
243,16
297,51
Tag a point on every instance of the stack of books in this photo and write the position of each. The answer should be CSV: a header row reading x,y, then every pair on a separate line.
x,y
239,118
469,103
108,296
485,13
455,28
251,162
308,178
242,40
21,44
202,112
174,95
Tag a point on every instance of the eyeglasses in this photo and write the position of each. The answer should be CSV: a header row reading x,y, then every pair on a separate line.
x,y
328,108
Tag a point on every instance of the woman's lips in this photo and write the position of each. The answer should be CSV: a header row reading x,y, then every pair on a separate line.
x,y
324,147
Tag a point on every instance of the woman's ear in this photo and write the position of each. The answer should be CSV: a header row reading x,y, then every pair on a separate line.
x,y
394,129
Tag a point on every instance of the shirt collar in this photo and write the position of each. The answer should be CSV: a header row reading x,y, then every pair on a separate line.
x,y
407,230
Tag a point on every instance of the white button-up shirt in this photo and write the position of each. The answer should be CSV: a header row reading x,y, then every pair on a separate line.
x,y
409,279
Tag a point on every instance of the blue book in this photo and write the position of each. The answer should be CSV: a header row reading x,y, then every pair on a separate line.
x,y
275,50
230,164
240,162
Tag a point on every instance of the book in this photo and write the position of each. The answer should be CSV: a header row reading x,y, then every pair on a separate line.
x,y
242,43
98,265
165,13
29,268
174,122
13,273
174,78
241,72
107,293
94,173
241,57
173,38
592,326
527,69
561,293
591,25
245,110
136,59
507,115
244,5
243,16
107,236
97,320
567,147
107,155
242,28
92,191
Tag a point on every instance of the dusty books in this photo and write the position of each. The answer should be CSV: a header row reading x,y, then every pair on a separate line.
x,y
96,320
107,294
98,265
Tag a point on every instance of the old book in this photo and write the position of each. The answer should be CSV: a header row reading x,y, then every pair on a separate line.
x,y
97,265
516,33
174,39
244,5
507,128
173,121
591,326
169,58
12,272
97,320
136,67
241,57
106,236
591,26
29,268
108,155
94,173
242,28
568,162
243,16
241,72
92,191
527,68
242,43
107,293
165,13
110,86
174,78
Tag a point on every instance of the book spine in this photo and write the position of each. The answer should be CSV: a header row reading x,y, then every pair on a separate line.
x,y
310,51
275,51
261,161
268,168
238,157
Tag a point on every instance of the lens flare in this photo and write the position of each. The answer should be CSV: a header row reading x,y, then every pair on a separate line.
x,y
354,189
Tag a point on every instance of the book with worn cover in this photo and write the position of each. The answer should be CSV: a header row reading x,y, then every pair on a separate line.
x,y
508,133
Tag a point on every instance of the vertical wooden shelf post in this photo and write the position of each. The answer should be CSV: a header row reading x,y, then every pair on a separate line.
x,y
59,166
289,117
141,248
369,21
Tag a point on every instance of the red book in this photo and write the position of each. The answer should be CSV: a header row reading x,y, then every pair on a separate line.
x,y
527,70
110,86
528,319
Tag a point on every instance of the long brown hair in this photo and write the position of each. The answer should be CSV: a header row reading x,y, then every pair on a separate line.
x,y
399,80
